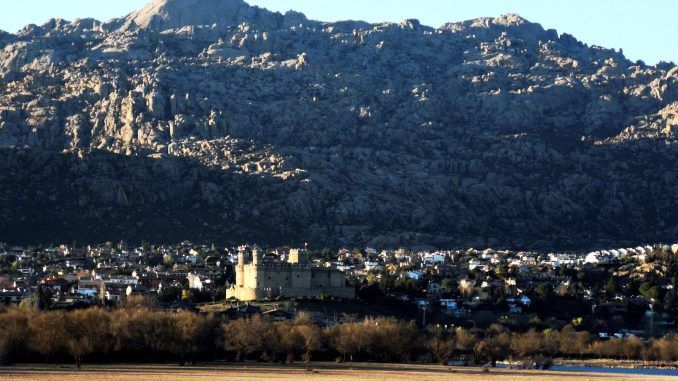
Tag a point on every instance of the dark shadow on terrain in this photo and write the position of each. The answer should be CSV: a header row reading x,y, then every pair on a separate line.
x,y
59,198
54,197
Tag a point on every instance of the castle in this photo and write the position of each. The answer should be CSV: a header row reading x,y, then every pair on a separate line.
x,y
294,278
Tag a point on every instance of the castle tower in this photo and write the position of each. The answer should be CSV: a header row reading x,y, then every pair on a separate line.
x,y
240,268
298,257
256,257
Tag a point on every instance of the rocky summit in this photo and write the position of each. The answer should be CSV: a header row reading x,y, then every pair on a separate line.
x,y
214,120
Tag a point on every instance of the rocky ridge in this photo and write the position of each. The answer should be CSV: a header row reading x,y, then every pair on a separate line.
x,y
215,120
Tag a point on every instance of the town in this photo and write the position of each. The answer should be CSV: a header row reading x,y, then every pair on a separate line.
x,y
610,293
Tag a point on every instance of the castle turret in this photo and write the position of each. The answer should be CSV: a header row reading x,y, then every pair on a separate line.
x,y
298,257
256,257
240,268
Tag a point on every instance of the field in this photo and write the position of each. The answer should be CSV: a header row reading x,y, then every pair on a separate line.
x,y
298,372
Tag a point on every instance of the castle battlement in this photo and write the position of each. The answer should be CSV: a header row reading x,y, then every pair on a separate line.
x,y
284,265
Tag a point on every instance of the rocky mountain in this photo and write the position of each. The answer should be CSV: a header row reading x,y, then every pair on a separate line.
x,y
214,120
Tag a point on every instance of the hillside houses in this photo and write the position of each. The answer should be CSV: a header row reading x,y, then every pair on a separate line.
x,y
453,283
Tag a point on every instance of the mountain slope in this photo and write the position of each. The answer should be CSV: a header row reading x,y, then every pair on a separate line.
x,y
231,123
163,15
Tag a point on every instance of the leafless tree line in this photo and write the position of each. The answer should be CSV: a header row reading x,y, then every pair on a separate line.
x,y
141,334
496,343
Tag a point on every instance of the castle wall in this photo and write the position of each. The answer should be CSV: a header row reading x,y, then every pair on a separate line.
x,y
287,280
251,276
239,275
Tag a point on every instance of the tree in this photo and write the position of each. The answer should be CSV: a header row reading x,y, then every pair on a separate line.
x,y
572,342
14,334
308,335
608,349
193,334
544,290
502,271
449,284
44,299
390,340
87,331
650,291
346,339
441,344
48,334
170,294
493,348
188,296
549,344
143,331
464,340
632,348
611,286
246,337
665,349
168,259
290,342
312,338
527,344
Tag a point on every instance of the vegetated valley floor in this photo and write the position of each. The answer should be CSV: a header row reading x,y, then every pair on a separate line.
x,y
297,372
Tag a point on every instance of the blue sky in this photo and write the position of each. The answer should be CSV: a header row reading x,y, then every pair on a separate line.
x,y
645,29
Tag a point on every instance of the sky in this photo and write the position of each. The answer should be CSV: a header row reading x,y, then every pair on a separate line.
x,y
644,29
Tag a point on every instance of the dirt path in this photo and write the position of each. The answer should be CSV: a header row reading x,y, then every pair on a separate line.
x,y
300,372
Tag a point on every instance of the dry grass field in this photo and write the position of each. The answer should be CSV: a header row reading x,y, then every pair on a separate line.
x,y
300,372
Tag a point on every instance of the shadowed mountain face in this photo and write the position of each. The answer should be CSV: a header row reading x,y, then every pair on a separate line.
x,y
217,121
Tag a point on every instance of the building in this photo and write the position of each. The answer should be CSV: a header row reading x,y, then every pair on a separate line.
x,y
194,282
295,278
449,304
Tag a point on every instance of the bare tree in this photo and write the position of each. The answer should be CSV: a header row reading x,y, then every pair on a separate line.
x,y
192,334
465,341
87,331
527,344
48,334
312,337
346,339
13,335
441,344
247,337
493,348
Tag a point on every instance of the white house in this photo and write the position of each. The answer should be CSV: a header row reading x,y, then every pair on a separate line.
x,y
194,281
434,258
593,257
415,274
474,263
372,265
